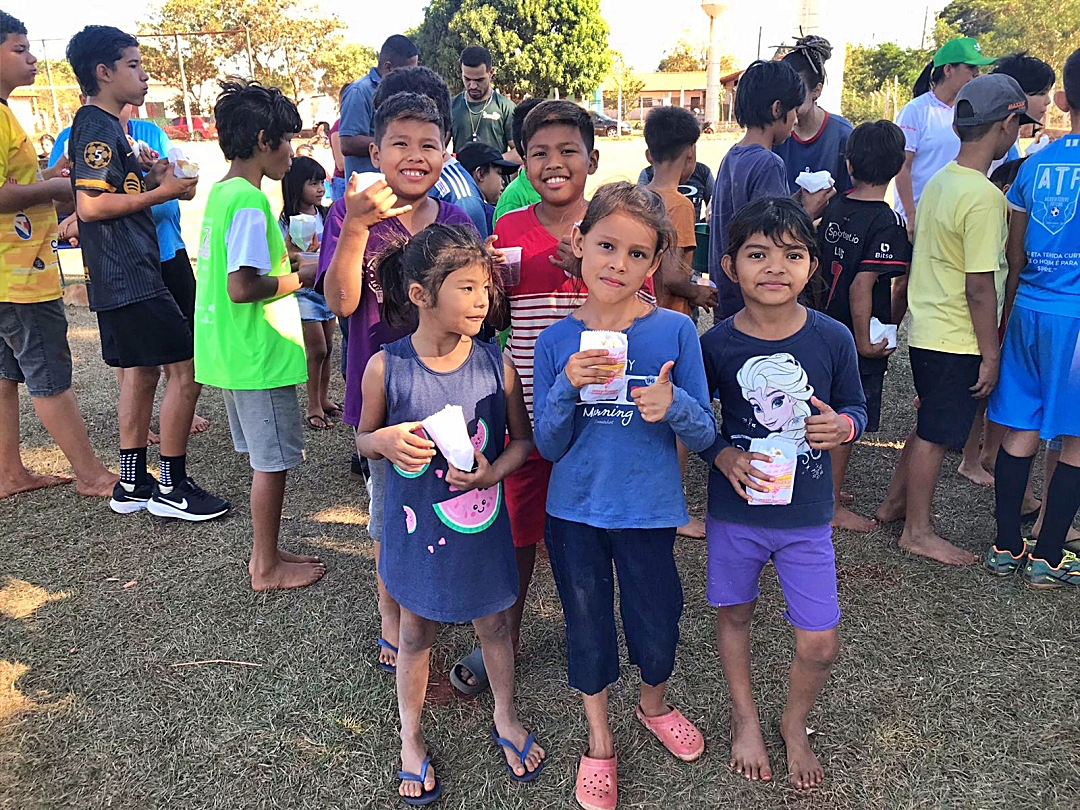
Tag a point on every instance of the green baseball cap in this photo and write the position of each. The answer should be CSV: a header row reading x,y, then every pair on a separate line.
x,y
961,51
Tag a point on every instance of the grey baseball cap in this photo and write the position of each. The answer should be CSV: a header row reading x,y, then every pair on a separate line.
x,y
989,99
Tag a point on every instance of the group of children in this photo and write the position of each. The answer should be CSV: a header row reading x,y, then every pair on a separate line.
x,y
552,419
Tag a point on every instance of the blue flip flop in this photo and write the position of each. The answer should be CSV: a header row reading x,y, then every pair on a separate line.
x,y
428,796
529,776
390,668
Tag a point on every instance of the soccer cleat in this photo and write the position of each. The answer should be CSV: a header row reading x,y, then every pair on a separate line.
x,y
1040,574
1003,563
124,502
187,501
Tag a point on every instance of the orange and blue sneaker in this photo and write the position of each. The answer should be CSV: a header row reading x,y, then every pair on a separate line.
x,y
1003,563
1040,574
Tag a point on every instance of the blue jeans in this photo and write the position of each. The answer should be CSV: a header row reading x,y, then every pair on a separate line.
x,y
650,600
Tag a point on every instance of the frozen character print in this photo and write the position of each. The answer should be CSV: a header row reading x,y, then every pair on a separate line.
x,y
779,391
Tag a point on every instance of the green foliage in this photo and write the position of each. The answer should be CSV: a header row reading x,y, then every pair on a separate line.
x,y
684,57
1048,29
878,81
202,54
537,45
343,64
622,77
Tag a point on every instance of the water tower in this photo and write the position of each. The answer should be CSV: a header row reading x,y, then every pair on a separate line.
x,y
713,90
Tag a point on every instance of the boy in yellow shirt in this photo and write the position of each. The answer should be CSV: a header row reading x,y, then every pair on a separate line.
x,y
957,277
33,327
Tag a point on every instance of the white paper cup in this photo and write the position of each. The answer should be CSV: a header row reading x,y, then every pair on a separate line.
x,y
512,268
367,179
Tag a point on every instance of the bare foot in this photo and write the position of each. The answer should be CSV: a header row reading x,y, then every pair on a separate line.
x,y
152,439
289,557
891,511
695,530
748,754
199,424
332,409
976,475
413,754
844,518
286,575
27,481
937,548
100,487
514,732
804,770
391,634
846,497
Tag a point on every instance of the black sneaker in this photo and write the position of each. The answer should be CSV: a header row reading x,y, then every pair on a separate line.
x,y
125,502
187,501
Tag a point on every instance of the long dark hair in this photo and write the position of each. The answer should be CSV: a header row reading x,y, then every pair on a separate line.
x,y
427,259
302,171
808,57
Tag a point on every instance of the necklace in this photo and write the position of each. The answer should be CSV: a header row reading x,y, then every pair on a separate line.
x,y
479,116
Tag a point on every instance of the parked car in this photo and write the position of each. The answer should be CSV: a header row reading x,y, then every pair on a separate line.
x,y
602,125
202,126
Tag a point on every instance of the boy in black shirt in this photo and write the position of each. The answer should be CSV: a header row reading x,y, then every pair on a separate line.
x,y
865,255
141,326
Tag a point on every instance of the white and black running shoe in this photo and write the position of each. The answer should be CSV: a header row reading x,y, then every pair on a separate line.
x,y
187,501
124,502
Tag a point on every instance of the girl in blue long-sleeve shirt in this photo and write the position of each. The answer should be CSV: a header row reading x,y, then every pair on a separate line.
x,y
616,492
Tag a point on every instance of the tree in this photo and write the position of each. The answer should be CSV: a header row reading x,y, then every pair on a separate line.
x,y
878,81
343,64
684,57
537,45
66,87
203,55
623,78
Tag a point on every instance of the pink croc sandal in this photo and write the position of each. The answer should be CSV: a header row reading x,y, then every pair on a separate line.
x,y
679,735
597,785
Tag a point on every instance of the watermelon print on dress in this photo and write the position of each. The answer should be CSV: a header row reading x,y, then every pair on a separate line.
x,y
410,519
472,512
480,437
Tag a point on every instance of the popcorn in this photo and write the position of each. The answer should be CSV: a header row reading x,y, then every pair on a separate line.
x,y
785,457
814,181
616,345
182,167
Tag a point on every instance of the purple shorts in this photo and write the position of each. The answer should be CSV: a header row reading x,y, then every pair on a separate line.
x,y
805,564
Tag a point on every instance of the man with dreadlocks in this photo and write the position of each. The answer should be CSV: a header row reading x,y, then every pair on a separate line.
x,y
820,137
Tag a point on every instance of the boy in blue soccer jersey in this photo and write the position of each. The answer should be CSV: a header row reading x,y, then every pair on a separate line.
x,y
1040,365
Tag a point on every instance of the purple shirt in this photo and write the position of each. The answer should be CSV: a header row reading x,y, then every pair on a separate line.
x,y
367,332
747,173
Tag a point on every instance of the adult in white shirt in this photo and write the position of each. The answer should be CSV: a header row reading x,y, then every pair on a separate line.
x,y
927,120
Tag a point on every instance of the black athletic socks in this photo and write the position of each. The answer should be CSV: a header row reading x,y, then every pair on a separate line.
x,y
1062,503
132,468
173,471
1010,481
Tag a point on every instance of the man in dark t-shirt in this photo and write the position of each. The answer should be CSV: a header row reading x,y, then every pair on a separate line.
x,y
141,325
480,113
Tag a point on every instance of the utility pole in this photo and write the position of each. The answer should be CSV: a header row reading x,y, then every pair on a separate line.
x,y
925,18
183,81
251,60
52,87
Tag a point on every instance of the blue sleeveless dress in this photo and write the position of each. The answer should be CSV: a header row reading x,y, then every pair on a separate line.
x,y
447,555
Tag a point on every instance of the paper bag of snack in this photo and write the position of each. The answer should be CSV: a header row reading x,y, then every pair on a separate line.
x,y
448,430
182,167
785,455
615,344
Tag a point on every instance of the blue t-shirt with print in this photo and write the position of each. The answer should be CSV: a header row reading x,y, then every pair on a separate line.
x,y
614,470
358,118
166,215
765,389
1048,191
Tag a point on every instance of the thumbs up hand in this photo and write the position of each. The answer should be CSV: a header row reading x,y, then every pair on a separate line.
x,y
827,429
653,401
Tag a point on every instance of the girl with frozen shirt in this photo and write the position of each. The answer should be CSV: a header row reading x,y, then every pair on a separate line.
x,y
446,555
791,376
601,451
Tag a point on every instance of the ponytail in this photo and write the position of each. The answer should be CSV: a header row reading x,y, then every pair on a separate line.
x,y
389,269
930,77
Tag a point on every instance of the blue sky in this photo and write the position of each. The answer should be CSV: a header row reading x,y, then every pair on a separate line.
x,y
641,37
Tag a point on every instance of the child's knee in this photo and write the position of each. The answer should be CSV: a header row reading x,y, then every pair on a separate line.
x,y
818,649
416,637
493,629
735,617
317,354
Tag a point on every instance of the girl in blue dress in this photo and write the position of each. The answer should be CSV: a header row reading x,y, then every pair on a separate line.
x,y
446,555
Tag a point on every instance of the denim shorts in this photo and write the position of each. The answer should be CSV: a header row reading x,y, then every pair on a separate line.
x,y
805,565
650,600
313,306
266,425
34,347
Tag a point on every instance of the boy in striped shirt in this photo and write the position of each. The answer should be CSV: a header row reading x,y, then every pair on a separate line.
x,y
559,157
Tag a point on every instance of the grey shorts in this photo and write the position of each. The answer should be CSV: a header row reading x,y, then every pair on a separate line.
x,y
266,425
34,347
377,495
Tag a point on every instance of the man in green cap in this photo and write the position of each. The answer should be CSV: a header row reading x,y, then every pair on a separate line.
x,y
927,120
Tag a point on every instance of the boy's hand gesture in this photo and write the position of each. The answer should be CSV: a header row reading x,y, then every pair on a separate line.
x,y
736,468
374,204
828,429
480,478
989,369
588,368
654,400
403,447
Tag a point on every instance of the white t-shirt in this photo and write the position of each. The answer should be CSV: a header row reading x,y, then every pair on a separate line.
x,y
927,122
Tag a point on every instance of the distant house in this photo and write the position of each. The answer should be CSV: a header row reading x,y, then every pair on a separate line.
x,y
681,89
33,106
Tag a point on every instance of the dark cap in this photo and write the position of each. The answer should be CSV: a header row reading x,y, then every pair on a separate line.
x,y
475,154
989,99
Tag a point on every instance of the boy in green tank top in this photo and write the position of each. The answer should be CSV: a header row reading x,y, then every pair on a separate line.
x,y
248,335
